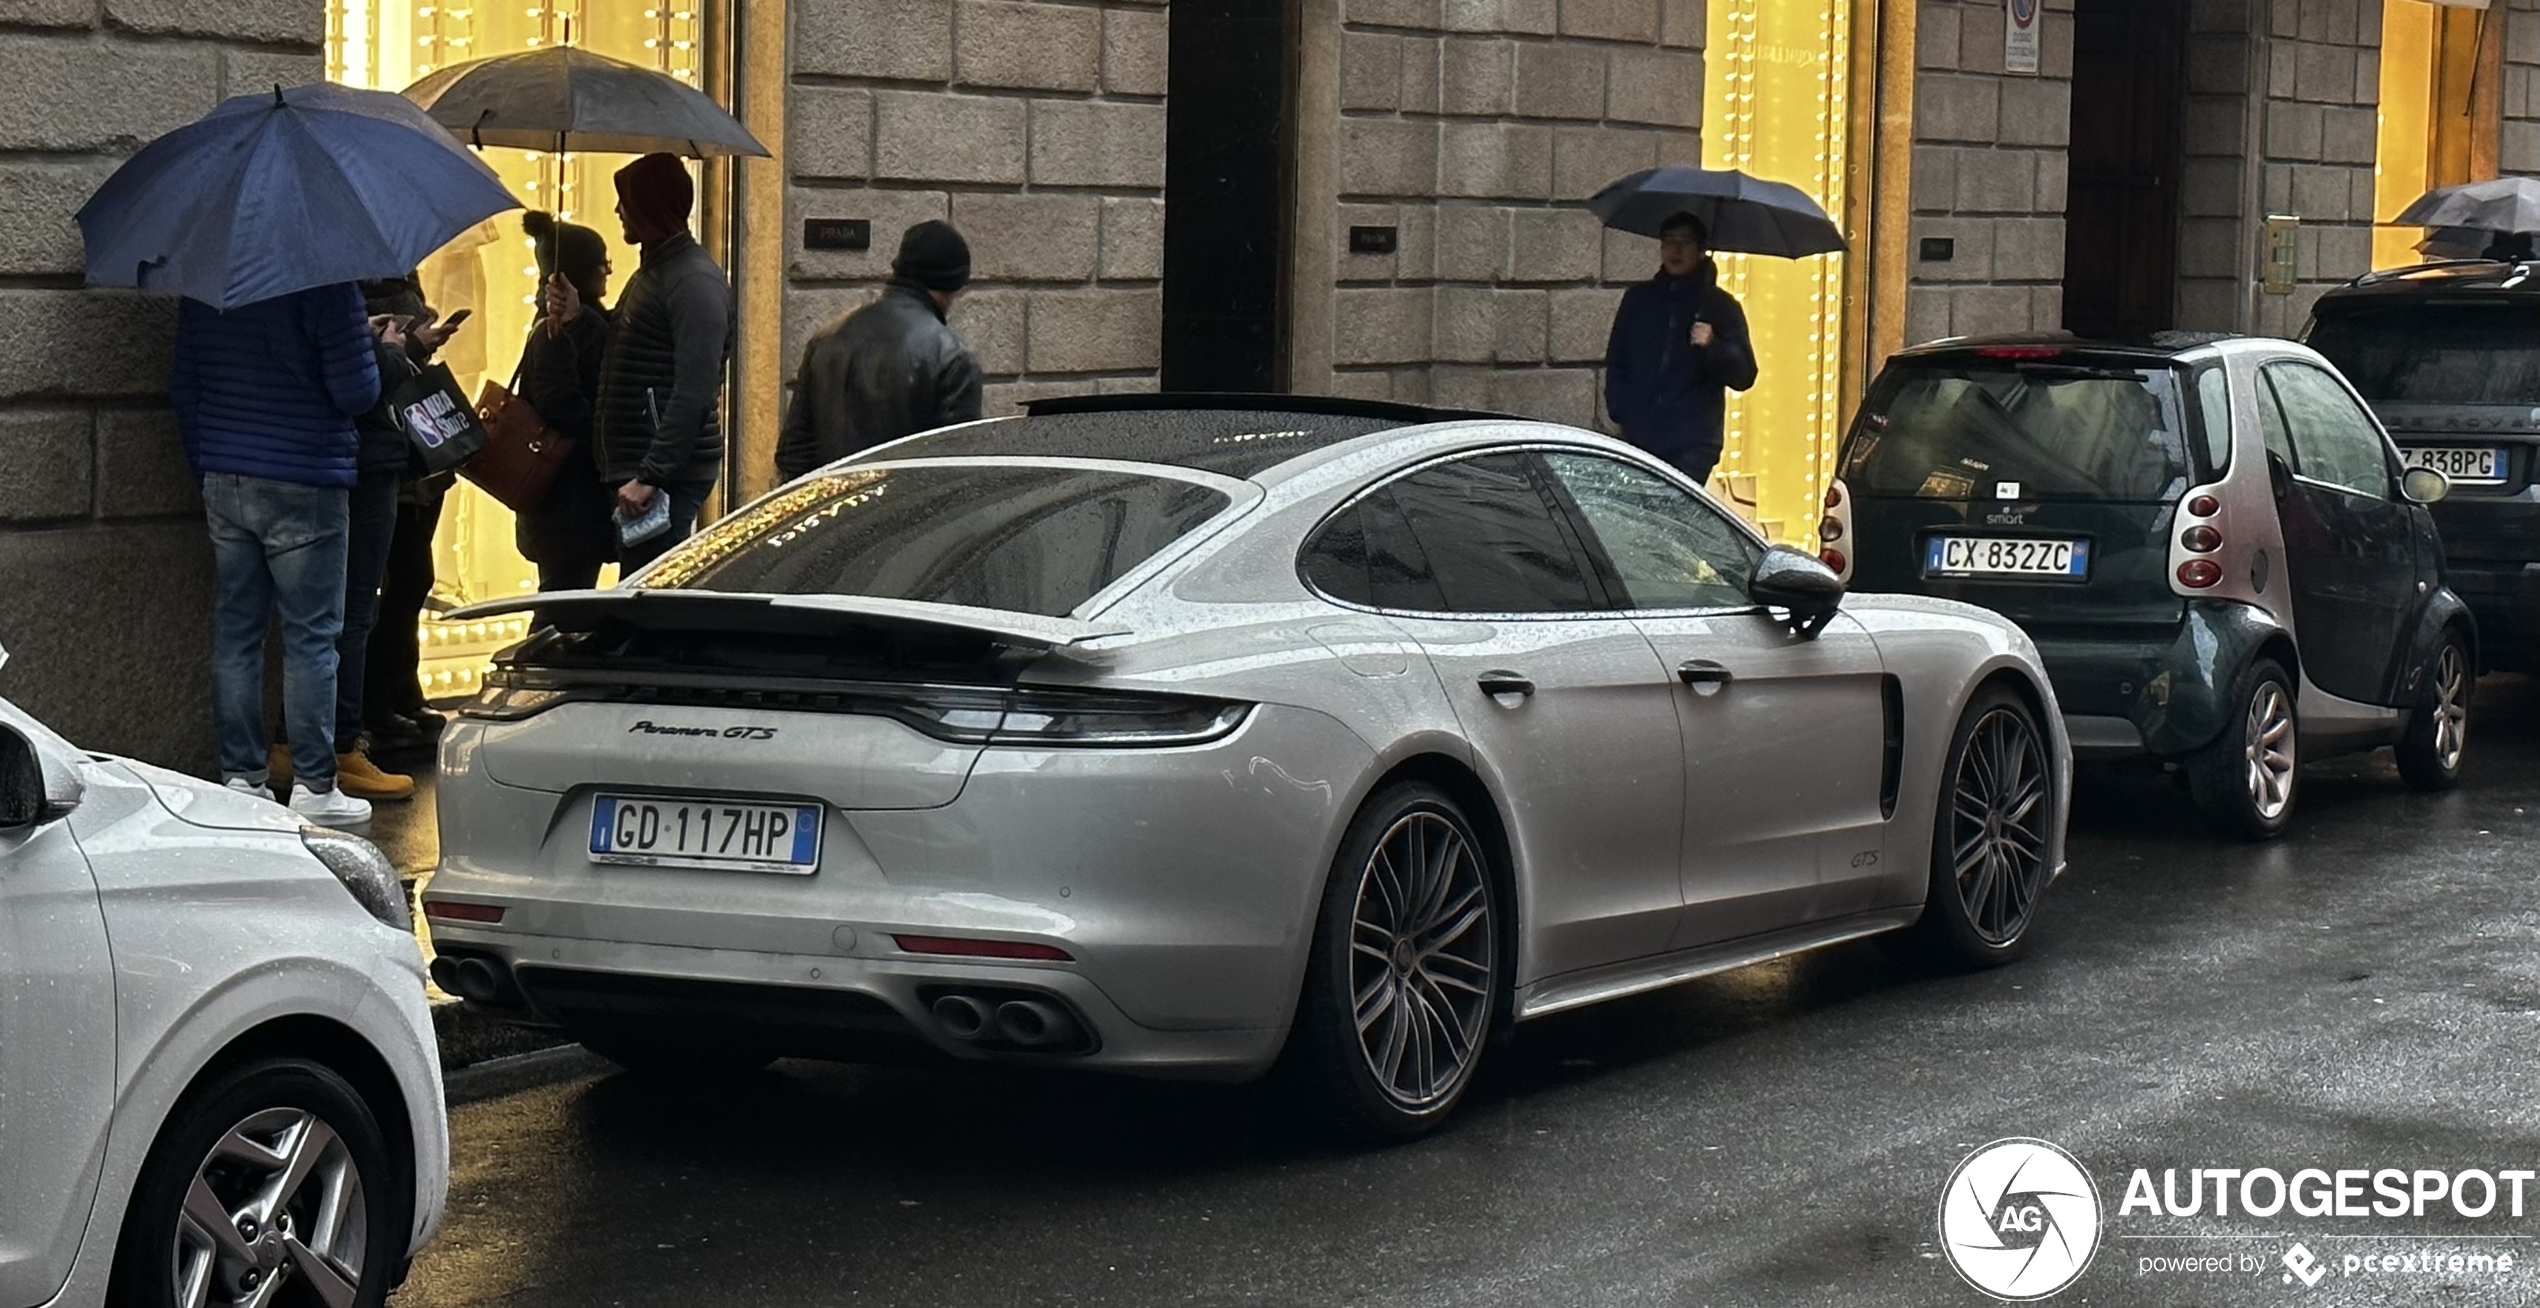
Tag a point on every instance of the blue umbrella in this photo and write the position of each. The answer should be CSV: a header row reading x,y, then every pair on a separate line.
x,y
270,194
1744,215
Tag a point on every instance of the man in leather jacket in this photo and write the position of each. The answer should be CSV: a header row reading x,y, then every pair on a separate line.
x,y
890,369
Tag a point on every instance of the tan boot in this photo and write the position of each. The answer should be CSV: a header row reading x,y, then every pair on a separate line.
x,y
357,776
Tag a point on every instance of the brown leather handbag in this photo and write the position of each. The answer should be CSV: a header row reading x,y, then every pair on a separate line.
x,y
522,453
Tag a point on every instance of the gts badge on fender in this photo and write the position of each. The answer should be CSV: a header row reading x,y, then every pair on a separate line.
x,y
651,728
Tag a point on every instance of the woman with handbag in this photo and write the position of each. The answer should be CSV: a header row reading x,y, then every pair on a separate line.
x,y
571,534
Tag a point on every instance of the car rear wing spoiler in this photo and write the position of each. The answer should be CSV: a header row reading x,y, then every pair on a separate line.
x,y
706,610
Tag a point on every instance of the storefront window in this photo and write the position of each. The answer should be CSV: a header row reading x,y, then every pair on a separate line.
x,y
388,45
1777,105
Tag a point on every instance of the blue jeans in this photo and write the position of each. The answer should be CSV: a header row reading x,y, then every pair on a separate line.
x,y
276,547
373,521
687,500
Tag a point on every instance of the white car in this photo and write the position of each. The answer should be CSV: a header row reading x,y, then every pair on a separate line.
x,y
218,1082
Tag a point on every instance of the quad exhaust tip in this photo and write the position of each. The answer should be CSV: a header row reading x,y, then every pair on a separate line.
x,y
963,1017
1005,1020
1034,1024
470,978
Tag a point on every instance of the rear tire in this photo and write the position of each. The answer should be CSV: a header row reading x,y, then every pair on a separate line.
x,y
2247,781
2438,732
1990,835
290,1155
1404,979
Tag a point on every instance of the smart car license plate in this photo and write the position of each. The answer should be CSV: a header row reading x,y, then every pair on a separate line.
x,y
2006,556
651,831
2462,463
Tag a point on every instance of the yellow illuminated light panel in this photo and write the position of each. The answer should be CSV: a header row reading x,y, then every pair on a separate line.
x,y
1777,106
387,45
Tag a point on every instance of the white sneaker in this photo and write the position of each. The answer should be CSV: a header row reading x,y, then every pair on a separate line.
x,y
332,809
245,787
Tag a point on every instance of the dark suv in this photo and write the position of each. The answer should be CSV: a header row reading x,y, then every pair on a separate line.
x,y
2211,541
2449,356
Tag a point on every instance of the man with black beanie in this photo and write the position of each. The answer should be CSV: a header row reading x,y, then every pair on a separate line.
x,y
657,424
890,369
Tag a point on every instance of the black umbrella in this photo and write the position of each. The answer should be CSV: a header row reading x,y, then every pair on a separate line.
x,y
565,98
2505,204
1744,215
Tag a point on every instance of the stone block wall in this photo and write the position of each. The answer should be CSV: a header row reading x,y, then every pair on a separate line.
x,y
2319,134
2518,139
1990,171
2214,228
1475,129
1036,128
105,571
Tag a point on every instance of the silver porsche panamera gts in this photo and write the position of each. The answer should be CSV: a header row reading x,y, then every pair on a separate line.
x,y
1166,736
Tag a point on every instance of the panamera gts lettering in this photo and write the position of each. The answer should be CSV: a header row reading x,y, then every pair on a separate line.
x,y
651,728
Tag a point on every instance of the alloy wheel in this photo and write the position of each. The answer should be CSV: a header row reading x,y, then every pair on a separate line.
x,y
2451,706
2269,746
275,1215
1998,825
1421,959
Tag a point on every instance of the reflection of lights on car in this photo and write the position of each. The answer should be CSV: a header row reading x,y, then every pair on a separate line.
x,y
1246,438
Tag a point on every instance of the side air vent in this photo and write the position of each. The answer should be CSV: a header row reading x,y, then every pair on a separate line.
x,y
1892,759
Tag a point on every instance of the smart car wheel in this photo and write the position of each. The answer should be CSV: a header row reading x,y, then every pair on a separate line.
x,y
2245,782
2438,734
1404,976
273,1186
1989,844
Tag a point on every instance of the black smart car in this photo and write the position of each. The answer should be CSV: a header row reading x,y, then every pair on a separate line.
x,y
2449,356
2211,541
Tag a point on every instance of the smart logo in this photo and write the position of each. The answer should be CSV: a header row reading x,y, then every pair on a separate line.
x,y
2020,1219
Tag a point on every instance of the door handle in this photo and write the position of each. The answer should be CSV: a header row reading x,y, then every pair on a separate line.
x,y
1505,683
1704,677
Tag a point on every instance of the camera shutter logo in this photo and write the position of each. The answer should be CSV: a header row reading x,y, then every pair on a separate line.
x,y
2020,1219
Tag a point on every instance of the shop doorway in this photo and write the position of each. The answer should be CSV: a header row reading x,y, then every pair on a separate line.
x,y
388,45
2121,215
1227,191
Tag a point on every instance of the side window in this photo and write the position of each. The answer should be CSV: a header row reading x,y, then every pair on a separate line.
x,y
1366,555
1664,548
1488,537
2279,442
2337,440
2213,404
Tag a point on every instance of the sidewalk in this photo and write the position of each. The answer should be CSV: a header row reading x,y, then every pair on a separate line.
x,y
409,832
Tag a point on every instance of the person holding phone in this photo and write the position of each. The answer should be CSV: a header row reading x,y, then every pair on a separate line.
x,y
570,536
1679,345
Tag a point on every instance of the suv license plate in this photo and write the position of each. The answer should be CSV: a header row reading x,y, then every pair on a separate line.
x,y
2006,556
649,831
2461,463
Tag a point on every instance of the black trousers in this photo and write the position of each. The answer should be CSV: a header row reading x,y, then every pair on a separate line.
x,y
393,661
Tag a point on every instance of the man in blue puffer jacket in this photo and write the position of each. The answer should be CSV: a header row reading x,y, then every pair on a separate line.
x,y
265,398
1679,346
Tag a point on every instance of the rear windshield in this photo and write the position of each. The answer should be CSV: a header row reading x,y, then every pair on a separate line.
x,y
1020,539
2436,353
2020,429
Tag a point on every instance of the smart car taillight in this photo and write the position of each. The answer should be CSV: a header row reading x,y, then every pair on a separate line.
x,y
1834,559
2203,506
2201,539
2200,573
1834,496
1830,530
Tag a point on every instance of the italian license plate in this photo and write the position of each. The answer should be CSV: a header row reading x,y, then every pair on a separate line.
x,y
2465,463
2006,556
649,831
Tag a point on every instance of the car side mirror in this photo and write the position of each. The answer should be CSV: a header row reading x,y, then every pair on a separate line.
x,y
1791,579
2424,486
22,797
2279,477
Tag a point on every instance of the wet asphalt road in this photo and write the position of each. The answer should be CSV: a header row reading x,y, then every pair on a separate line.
x,y
2363,994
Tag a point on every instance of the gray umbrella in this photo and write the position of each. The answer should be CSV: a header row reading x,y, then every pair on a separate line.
x,y
1742,214
2506,204
565,98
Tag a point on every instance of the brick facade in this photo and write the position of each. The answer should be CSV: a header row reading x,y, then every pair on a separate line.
x,y
1475,130
1038,129
1990,169
105,571
2320,135
2518,138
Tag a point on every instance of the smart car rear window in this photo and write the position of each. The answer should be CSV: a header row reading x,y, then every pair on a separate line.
x,y
2020,429
2434,352
1020,539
